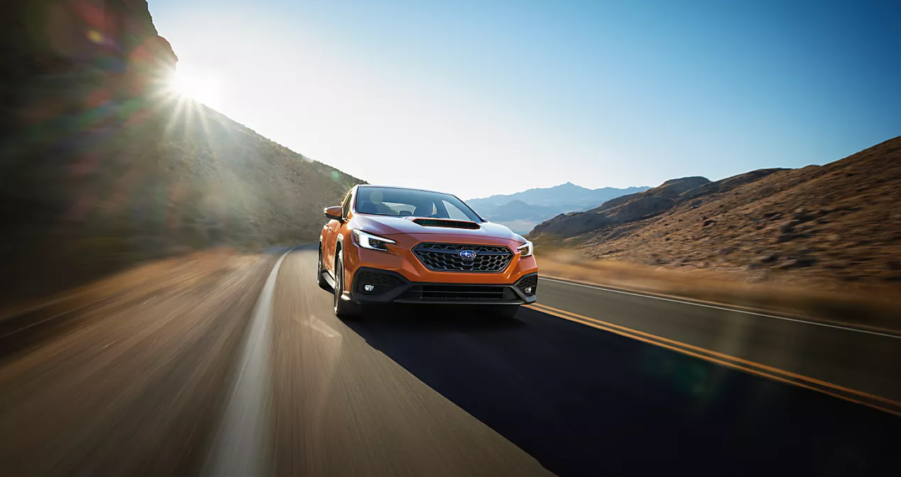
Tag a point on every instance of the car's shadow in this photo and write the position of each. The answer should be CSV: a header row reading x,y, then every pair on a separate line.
x,y
588,402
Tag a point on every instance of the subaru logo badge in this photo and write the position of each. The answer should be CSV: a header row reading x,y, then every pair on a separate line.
x,y
468,254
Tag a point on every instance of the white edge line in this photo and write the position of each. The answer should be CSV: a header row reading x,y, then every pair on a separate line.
x,y
239,442
721,308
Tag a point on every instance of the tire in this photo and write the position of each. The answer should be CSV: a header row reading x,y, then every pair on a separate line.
x,y
343,308
500,311
320,279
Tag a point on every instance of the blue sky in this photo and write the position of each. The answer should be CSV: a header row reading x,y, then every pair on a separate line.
x,y
487,97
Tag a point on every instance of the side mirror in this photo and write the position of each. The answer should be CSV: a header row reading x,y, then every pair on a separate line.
x,y
334,212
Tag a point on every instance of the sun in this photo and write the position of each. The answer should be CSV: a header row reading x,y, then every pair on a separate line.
x,y
201,87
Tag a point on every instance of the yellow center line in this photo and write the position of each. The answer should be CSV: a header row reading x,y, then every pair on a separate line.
x,y
725,361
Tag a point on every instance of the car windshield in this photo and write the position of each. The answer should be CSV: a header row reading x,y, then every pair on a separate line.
x,y
412,203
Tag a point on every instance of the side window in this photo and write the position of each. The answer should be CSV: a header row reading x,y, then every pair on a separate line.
x,y
453,212
345,208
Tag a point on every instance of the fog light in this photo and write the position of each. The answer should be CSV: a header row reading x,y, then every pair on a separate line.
x,y
528,290
369,287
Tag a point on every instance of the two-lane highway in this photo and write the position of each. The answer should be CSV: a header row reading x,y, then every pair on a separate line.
x,y
211,380
581,400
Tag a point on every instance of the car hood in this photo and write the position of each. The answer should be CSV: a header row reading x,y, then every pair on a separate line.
x,y
386,225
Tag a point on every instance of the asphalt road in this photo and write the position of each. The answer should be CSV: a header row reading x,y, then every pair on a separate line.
x,y
250,373
843,356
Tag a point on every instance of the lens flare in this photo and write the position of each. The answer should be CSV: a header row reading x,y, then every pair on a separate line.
x,y
206,89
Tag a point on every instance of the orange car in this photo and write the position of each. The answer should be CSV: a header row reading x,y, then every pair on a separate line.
x,y
394,245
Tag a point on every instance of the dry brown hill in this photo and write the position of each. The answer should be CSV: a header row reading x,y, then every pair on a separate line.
x,y
837,225
101,167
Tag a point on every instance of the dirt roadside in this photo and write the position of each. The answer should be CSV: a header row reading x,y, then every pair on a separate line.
x,y
126,376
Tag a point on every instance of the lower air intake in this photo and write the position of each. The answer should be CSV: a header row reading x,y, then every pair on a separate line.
x,y
445,293
381,282
528,282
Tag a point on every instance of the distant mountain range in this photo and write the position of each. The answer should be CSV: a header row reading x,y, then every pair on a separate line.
x,y
521,211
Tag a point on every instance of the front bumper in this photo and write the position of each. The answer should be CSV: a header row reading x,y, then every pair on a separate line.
x,y
392,287
401,259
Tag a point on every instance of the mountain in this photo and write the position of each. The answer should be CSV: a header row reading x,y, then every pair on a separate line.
x,y
623,209
564,196
517,215
102,167
838,223
523,210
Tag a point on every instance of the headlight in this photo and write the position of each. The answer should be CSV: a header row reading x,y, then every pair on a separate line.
x,y
526,250
372,242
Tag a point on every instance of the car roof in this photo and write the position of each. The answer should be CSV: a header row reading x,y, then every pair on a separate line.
x,y
403,188
358,186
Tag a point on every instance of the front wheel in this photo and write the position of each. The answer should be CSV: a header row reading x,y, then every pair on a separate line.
x,y
343,308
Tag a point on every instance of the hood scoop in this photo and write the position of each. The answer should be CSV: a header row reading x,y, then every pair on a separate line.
x,y
451,224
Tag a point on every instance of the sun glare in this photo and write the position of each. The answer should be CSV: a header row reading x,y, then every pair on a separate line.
x,y
203,88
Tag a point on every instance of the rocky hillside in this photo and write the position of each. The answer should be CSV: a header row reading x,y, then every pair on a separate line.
x,y
837,224
102,167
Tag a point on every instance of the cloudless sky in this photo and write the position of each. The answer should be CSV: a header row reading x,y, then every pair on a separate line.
x,y
486,97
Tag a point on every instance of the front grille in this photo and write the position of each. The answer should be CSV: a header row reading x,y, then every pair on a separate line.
x,y
445,257
468,293
383,282
528,281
